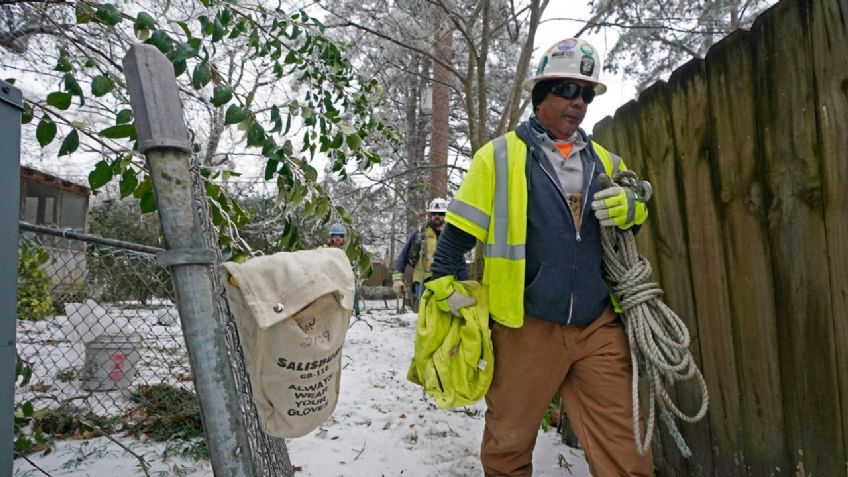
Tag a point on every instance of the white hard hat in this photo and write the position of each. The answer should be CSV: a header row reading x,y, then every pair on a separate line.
x,y
438,205
570,58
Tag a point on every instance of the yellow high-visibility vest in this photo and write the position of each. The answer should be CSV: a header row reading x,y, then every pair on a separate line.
x,y
491,205
422,271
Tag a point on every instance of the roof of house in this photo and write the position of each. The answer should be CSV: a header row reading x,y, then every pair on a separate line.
x,y
53,181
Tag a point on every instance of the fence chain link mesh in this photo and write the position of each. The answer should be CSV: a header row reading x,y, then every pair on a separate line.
x,y
114,333
269,453
111,335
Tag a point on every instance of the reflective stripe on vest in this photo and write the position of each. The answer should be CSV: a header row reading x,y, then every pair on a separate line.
x,y
610,161
616,162
499,247
475,215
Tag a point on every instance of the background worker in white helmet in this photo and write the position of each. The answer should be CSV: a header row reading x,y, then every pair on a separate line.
x,y
419,249
534,198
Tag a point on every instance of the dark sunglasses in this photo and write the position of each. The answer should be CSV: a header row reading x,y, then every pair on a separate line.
x,y
440,214
570,90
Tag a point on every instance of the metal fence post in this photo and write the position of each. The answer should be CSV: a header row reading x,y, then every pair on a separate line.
x,y
163,138
10,183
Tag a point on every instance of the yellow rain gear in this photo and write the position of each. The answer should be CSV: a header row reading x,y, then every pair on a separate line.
x,y
453,359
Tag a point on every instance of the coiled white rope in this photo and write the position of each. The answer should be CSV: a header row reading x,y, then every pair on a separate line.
x,y
659,340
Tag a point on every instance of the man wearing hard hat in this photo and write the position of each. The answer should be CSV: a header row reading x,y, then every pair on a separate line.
x,y
337,239
527,197
418,252
338,236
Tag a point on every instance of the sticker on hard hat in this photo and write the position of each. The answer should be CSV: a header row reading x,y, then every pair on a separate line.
x,y
542,64
587,65
587,49
567,44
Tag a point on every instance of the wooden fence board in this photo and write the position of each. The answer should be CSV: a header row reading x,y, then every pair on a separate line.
x,y
631,143
603,135
829,32
690,110
786,114
743,231
672,254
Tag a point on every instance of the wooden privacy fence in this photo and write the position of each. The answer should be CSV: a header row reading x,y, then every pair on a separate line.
x,y
747,151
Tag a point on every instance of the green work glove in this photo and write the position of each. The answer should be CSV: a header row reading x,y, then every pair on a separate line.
x,y
447,298
397,284
618,206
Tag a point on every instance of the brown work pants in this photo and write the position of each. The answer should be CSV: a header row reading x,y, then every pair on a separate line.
x,y
590,368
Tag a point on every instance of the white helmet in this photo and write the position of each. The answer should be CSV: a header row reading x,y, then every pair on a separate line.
x,y
570,58
438,205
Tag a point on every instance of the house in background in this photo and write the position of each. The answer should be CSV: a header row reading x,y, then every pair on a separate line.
x,y
55,202
51,201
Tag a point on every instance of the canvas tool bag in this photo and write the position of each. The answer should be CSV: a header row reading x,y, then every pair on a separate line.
x,y
292,310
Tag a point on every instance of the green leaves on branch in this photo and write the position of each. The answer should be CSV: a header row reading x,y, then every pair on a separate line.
x,y
70,144
72,87
331,110
45,132
182,52
123,168
59,100
144,194
235,114
164,43
119,131
100,176
33,290
64,64
226,213
201,76
289,238
26,442
129,183
255,135
101,86
222,95
354,142
108,14
124,116
143,24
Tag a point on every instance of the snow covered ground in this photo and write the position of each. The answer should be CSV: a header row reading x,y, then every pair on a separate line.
x,y
383,425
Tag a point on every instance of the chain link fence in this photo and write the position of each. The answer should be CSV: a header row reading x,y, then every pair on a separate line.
x,y
101,332
110,334
102,335
270,454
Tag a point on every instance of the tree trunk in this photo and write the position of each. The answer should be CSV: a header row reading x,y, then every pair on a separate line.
x,y
416,122
443,47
